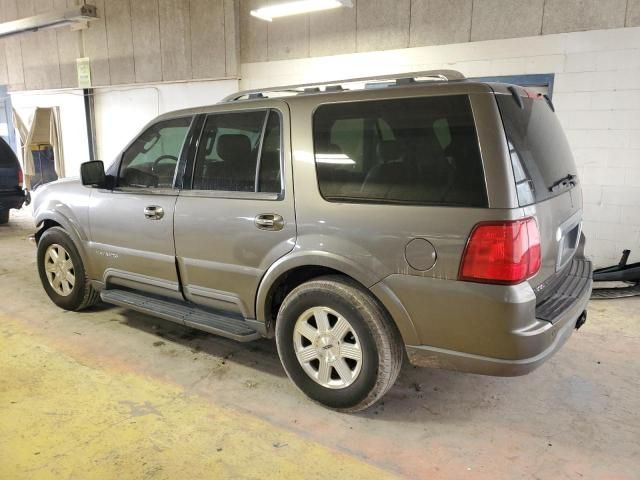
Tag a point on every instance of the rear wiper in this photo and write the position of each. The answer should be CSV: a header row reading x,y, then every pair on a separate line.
x,y
564,181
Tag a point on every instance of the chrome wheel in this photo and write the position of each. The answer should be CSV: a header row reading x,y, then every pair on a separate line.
x,y
59,269
327,347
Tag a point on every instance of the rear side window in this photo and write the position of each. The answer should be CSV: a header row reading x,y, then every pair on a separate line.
x,y
420,151
540,153
237,146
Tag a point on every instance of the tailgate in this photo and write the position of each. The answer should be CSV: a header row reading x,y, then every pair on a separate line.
x,y
545,178
560,223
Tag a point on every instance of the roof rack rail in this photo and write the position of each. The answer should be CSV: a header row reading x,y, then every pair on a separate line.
x,y
337,85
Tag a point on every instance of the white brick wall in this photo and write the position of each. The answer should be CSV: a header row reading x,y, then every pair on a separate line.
x,y
597,97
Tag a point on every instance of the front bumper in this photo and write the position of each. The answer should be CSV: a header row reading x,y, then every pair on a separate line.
x,y
476,328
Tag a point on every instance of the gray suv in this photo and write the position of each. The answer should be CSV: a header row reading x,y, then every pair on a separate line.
x,y
423,217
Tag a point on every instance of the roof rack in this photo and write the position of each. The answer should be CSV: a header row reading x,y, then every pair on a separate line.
x,y
339,85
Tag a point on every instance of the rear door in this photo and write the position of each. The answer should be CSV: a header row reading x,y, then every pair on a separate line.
x,y
546,178
235,216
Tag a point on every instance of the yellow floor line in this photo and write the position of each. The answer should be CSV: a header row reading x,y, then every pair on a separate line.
x,y
61,419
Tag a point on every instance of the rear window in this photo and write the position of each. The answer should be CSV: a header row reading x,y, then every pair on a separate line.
x,y
420,151
7,157
540,153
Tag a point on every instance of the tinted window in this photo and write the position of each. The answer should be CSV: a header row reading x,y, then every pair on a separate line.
x,y
420,151
227,158
7,157
540,153
270,180
152,158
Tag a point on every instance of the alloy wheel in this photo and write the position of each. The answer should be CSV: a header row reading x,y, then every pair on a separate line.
x,y
327,347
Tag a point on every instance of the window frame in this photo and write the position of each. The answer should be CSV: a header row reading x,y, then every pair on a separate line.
x,y
182,157
365,201
188,189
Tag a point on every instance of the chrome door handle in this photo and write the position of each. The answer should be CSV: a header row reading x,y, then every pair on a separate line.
x,y
269,221
153,212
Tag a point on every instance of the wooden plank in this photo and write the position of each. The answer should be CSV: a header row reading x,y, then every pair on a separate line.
x,y
120,41
633,14
12,48
39,49
561,15
333,32
95,47
4,74
146,40
428,27
382,25
253,34
69,49
288,38
232,37
207,38
175,39
496,19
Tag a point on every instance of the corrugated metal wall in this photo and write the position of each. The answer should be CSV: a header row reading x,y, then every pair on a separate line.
x,y
392,24
134,41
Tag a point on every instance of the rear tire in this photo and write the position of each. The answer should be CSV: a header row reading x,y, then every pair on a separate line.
x,y
4,216
62,272
337,344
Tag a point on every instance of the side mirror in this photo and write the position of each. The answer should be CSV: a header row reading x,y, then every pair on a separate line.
x,y
92,174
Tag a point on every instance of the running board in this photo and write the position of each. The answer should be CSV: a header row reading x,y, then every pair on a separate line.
x,y
233,328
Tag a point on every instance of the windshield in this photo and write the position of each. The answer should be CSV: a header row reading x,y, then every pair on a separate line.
x,y
539,150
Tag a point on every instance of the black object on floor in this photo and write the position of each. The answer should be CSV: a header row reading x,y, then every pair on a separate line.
x,y
629,274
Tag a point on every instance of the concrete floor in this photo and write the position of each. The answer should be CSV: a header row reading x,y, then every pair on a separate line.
x,y
110,393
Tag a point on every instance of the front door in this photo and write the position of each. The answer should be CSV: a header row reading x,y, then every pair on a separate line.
x,y
132,225
235,216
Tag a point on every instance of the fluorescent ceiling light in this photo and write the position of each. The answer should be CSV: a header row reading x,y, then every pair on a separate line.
x,y
297,7
334,159
52,19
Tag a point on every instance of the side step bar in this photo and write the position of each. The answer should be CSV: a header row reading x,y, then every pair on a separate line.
x,y
233,328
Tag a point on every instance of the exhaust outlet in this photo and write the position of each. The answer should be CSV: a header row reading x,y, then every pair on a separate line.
x,y
582,319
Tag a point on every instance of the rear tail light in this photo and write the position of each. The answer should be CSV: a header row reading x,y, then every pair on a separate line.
x,y
502,252
20,178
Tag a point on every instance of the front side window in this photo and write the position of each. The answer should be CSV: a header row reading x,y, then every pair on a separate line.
x,y
239,152
151,160
420,151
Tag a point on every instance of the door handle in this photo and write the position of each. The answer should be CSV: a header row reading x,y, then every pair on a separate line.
x,y
269,221
153,212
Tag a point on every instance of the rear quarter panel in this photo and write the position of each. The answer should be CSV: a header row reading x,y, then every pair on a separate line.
x,y
369,240
374,236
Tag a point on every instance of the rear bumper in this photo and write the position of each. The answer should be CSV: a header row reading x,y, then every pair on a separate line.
x,y
14,199
425,356
485,329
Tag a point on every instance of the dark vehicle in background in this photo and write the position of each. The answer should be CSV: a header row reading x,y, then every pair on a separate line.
x,y
12,193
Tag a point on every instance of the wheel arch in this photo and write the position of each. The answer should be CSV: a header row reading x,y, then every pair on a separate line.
x,y
49,219
288,273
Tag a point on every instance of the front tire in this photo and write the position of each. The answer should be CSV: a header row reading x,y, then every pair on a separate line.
x,y
337,344
4,216
62,272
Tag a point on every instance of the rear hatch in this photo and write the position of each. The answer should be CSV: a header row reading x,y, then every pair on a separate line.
x,y
548,188
9,168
